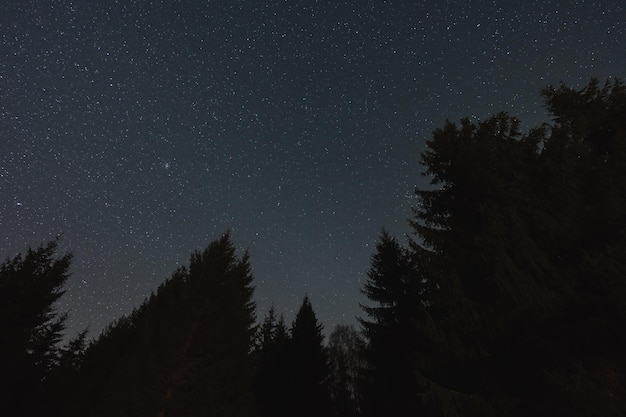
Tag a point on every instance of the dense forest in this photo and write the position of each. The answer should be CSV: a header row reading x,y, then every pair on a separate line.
x,y
509,299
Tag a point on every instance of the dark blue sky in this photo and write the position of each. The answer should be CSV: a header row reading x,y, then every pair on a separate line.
x,y
141,130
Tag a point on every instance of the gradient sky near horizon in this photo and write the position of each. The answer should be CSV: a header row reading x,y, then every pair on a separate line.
x,y
141,130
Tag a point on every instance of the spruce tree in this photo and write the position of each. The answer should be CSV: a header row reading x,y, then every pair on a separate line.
x,y
273,356
589,130
32,326
309,367
396,291
521,240
185,351
267,330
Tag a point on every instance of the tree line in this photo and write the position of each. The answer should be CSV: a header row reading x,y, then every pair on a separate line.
x,y
508,299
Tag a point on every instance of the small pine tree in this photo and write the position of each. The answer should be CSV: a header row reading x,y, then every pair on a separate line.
x,y
273,366
309,373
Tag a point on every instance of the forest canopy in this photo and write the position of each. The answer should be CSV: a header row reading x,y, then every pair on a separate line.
x,y
508,299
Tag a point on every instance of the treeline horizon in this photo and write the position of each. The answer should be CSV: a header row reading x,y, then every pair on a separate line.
x,y
508,299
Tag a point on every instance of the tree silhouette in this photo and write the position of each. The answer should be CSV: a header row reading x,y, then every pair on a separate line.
x,y
521,239
589,133
345,366
396,289
185,351
266,333
273,366
32,327
309,368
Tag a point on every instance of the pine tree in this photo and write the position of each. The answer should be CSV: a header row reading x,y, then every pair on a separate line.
x,y
396,289
267,331
520,239
31,327
476,244
589,133
309,367
273,366
217,347
185,351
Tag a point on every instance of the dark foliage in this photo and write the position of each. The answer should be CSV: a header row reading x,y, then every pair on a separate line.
x,y
31,326
292,366
345,362
184,352
509,300
396,288
522,240
273,366
309,372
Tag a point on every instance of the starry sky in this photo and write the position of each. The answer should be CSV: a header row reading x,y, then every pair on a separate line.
x,y
141,130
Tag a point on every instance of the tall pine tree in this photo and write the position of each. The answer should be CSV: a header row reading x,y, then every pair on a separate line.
x,y
185,351
521,240
396,289
32,327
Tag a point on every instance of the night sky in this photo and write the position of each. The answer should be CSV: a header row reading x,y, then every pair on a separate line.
x,y
141,130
